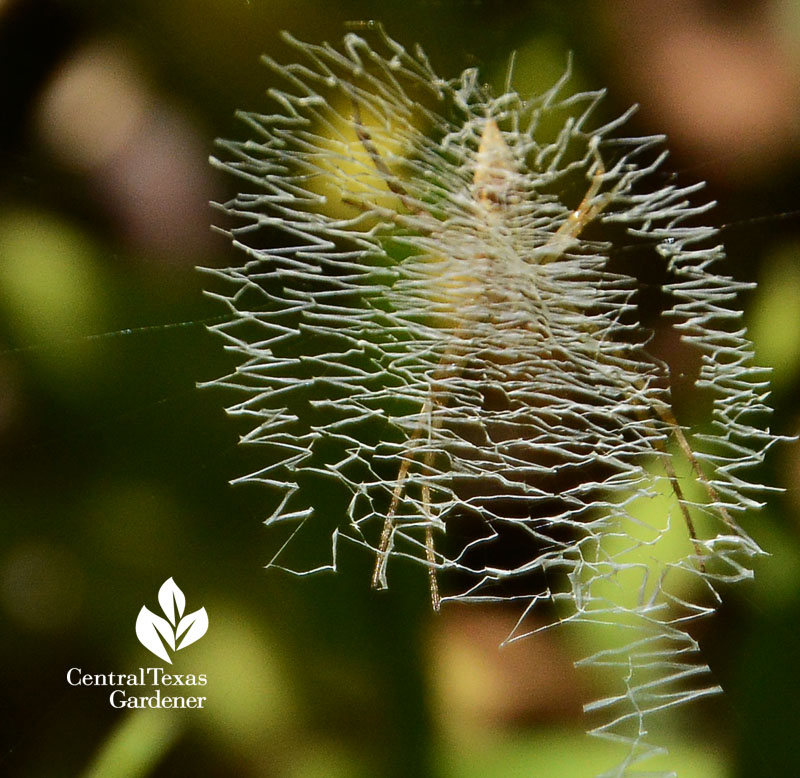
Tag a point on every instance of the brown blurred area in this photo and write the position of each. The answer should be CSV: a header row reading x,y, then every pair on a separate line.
x,y
722,80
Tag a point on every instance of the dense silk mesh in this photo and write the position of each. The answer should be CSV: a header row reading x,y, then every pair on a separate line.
x,y
442,359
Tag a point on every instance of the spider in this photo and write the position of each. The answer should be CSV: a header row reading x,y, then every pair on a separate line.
x,y
492,189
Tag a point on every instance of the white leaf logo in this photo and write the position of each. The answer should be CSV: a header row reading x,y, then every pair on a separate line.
x,y
176,631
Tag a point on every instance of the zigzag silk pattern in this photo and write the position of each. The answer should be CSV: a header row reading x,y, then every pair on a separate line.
x,y
443,324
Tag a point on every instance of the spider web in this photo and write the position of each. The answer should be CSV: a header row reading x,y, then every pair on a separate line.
x,y
471,384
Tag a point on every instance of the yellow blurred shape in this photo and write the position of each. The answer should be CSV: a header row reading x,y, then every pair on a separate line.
x,y
775,315
351,179
646,550
51,294
138,743
251,699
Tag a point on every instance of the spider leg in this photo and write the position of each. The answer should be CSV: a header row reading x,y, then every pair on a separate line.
x,y
664,413
363,134
379,571
430,550
373,209
672,476
449,358
684,446
588,209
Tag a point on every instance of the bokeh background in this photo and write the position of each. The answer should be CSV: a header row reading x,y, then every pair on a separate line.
x,y
114,467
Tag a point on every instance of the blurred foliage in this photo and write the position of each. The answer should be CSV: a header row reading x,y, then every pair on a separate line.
x,y
115,467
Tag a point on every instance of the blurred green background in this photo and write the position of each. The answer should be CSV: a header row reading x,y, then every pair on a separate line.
x,y
115,468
